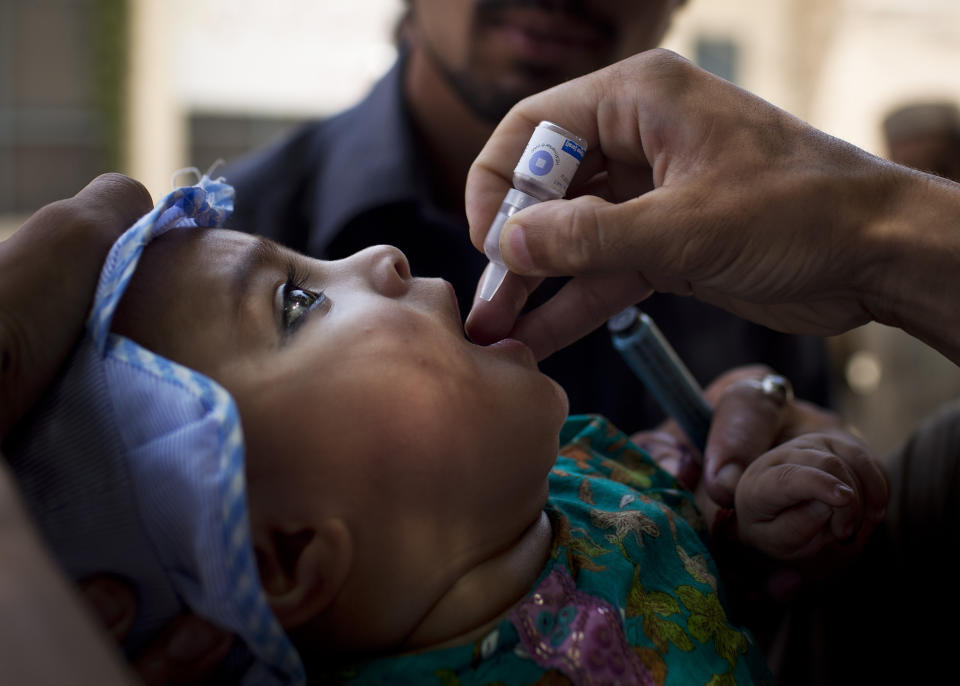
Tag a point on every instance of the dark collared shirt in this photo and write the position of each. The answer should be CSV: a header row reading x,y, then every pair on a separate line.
x,y
359,178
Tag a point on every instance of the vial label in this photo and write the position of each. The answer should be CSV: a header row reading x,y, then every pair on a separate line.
x,y
549,161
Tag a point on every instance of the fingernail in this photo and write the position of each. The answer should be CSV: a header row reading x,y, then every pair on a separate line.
x,y
842,491
728,476
517,242
193,640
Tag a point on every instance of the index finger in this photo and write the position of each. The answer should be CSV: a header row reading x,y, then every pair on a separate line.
x,y
89,221
492,320
573,105
582,305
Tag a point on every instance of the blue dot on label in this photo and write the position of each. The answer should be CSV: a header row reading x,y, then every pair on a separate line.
x,y
541,162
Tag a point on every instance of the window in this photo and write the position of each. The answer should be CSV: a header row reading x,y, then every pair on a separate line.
x,y
60,70
227,137
719,56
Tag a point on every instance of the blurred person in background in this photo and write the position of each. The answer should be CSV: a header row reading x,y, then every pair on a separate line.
x,y
393,168
925,136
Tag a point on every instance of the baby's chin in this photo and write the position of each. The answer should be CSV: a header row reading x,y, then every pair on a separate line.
x,y
561,399
564,402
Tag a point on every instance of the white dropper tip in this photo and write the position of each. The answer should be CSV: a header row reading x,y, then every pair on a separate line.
x,y
496,270
513,202
492,278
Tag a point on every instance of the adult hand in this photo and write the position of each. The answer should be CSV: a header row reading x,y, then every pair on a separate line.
x,y
764,446
746,423
749,422
808,494
187,651
48,272
699,188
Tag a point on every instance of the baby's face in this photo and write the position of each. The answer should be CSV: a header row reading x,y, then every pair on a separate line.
x,y
358,393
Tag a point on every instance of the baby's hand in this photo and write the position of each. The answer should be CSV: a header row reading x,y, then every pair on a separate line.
x,y
809,493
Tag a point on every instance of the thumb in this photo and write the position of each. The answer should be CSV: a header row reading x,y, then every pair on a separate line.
x,y
114,200
60,250
590,235
558,238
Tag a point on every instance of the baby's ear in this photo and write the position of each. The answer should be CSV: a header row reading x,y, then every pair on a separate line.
x,y
303,568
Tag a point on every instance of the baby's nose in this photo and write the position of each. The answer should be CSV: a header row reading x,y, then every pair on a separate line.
x,y
390,270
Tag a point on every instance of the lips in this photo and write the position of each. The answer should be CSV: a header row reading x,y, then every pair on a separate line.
x,y
452,294
551,29
515,349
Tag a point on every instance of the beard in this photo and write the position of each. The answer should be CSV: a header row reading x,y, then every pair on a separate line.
x,y
485,99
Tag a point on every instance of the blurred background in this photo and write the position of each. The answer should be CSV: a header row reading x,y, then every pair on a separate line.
x,y
147,87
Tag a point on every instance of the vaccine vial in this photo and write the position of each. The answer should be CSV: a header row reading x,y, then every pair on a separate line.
x,y
544,172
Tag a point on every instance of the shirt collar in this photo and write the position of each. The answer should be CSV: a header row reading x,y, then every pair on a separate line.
x,y
373,159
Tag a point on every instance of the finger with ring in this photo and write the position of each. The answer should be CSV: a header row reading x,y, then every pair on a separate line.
x,y
773,386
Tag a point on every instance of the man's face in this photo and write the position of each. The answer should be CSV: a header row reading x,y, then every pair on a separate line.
x,y
496,52
355,387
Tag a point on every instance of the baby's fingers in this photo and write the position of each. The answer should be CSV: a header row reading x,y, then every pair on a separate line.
x,y
787,510
795,533
846,459
871,481
784,486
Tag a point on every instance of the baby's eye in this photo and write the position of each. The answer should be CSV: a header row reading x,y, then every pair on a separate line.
x,y
296,303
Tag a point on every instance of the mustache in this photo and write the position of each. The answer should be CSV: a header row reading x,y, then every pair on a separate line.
x,y
577,9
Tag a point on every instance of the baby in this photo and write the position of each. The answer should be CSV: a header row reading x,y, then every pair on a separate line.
x,y
407,511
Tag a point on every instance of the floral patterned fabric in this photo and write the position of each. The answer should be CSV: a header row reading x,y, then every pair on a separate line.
x,y
629,594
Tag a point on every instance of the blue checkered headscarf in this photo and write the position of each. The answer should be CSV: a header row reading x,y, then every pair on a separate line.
x,y
154,488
